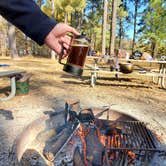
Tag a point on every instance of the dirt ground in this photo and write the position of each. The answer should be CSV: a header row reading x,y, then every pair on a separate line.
x,y
50,87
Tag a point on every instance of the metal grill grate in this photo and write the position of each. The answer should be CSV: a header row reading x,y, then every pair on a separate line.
x,y
131,143
134,135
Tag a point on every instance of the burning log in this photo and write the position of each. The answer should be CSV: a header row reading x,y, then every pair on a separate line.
x,y
53,148
95,148
82,134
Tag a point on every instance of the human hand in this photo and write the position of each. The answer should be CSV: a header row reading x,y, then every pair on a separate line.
x,y
58,40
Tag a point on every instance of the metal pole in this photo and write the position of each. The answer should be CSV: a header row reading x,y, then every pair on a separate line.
x,y
163,77
13,89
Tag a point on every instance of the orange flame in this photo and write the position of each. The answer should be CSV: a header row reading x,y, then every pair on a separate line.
x,y
131,156
111,141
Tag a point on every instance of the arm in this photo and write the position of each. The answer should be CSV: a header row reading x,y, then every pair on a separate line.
x,y
28,17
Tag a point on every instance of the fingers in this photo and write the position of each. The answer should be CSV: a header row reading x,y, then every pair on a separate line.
x,y
64,53
68,28
66,46
66,40
53,43
66,49
62,29
61,49
72,30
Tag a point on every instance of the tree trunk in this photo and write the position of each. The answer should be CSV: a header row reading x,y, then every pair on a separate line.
x,y
3,35
153,46
12,41
40,3
52,14
53,9
26,44
57,14
94,41
71,20
65,19
1,43
80,20
120,34
53,55
113,26
135,25
104,26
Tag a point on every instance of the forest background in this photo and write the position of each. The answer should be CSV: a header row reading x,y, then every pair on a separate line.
x,y
122,24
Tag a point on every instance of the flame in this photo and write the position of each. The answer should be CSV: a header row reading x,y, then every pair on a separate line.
x,y
102,139
101,136
131,156
111,141
108,141
159,137
115,141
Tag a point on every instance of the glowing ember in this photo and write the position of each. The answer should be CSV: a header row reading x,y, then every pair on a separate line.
x,y
131,156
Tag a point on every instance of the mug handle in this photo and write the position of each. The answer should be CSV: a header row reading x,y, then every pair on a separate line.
x,y
60,56
62,52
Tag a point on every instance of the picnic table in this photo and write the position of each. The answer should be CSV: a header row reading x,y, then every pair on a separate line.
x,y
11,74
95,70
160,74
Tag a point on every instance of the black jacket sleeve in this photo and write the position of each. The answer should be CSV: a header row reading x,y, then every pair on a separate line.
x,y
28,17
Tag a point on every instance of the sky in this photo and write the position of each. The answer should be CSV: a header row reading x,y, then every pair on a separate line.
x,y
129,31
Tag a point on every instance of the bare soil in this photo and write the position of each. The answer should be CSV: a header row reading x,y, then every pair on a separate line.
x,y
50,87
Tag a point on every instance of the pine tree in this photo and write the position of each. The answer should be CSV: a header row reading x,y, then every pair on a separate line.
x,y
113,26
12,41
154,23
104,26
121,19
3,36
64,8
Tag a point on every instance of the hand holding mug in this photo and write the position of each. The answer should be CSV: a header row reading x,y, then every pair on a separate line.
x,y
58,39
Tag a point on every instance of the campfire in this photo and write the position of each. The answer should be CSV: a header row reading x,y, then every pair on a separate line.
x,y
88,140
85,139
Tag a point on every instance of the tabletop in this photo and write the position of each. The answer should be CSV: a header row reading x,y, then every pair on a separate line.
x,y
9,73
131,60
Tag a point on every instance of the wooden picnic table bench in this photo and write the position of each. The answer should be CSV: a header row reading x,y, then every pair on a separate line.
x,y
11,74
